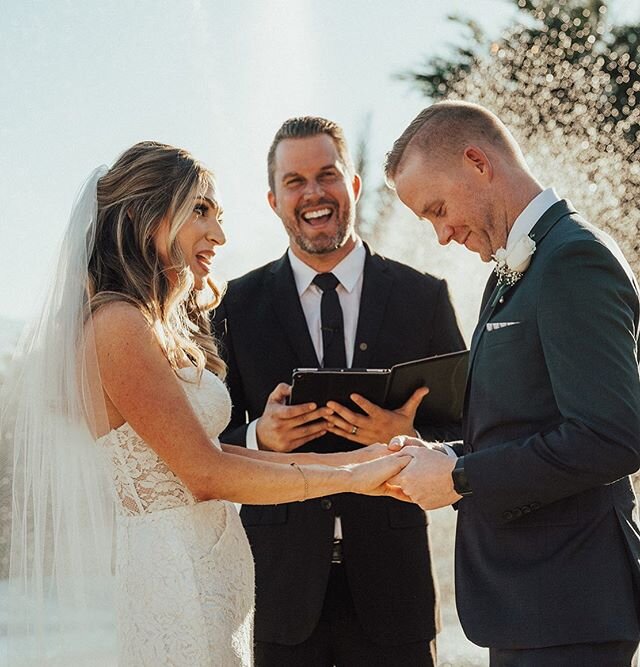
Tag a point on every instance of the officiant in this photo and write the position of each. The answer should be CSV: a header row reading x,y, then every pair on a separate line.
x,y
342,579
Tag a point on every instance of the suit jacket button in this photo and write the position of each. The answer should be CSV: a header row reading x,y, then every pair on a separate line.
x,y
363,346
326,503
535,506
517,513
525,509
507,516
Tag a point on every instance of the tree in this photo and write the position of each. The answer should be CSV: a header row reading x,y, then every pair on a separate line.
x,y
566,84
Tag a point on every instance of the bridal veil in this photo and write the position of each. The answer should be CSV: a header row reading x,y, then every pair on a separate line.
x,y
60,602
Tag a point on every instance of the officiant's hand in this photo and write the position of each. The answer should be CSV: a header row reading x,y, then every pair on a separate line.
x,y
427,479
283,428
378,424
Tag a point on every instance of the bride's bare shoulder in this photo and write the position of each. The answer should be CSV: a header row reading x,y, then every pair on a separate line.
x,y
121,333
119,318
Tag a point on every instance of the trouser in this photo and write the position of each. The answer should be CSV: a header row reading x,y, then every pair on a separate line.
x,y
605,654
340,641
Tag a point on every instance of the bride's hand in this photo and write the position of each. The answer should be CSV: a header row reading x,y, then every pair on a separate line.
x,y
368,453
370,478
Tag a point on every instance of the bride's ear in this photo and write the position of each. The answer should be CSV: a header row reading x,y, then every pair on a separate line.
x,y
271,198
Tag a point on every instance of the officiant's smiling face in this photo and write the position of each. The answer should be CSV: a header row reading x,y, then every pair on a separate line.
x,y
457,197
314,194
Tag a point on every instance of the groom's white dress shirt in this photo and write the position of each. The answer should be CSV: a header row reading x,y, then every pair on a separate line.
x,y
349,272
532,212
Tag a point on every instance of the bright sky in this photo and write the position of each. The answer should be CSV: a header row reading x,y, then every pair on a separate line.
x,y
82,80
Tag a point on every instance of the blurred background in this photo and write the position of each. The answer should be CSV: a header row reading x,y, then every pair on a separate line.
x,y
82,81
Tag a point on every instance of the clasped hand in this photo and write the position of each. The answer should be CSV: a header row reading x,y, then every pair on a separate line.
x,y
426,480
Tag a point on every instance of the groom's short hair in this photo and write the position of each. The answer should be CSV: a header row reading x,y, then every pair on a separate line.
x,y
308,126
446,128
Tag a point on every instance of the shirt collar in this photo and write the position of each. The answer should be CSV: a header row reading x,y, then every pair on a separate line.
x,y
533,211
347,271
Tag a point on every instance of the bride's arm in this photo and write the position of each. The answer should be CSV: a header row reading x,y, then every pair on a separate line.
x,y
334,459
139,382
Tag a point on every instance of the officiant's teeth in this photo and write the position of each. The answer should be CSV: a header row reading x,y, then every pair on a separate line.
x,y
320,213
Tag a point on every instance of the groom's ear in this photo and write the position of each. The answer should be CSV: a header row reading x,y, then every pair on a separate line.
x,y
356,184
478,160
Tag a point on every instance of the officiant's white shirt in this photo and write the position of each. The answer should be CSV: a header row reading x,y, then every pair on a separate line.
x,y
349,272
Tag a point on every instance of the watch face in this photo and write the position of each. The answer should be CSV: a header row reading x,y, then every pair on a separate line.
x,y
460,481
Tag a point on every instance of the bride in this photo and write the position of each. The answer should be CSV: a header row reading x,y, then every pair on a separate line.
x,y
119,403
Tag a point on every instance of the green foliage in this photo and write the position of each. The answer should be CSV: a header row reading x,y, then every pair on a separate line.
x,y
571,34
566,83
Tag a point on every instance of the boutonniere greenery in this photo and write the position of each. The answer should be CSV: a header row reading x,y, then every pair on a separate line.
x,y
510,266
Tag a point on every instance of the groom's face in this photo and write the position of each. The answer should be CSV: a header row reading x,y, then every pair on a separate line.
x,y
454,199
314,194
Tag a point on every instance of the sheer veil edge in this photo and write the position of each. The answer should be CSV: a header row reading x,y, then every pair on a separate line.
x,y
60,607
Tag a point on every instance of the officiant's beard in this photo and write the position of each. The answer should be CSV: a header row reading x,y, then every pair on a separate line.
x,y
322,243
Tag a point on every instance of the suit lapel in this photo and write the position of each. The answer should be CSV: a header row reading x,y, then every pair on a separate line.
x,y
555,213
376,290
480,327
288,310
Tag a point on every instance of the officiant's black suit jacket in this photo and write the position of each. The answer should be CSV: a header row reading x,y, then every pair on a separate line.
x,y
403,315
547,552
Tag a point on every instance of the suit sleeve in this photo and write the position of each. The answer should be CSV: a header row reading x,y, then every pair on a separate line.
x,y
446,337
235,433
587,319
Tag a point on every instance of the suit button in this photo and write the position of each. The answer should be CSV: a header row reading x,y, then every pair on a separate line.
x,y
526,509
363,346
535,506
326,503
517,513
507,516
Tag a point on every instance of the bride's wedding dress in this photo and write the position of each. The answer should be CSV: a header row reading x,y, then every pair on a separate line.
x,y
184,569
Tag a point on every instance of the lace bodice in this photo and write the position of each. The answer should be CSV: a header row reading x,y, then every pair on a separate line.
x,y
143,483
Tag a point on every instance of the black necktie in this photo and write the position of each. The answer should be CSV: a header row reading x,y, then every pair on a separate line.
x,y
332,324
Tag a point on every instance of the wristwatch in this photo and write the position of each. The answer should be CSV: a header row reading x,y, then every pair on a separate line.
x,y
460,481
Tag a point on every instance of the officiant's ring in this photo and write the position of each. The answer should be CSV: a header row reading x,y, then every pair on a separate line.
x,y
354,430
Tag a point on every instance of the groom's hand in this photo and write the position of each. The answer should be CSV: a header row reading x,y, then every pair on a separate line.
x,y
283,428
377,424
427,479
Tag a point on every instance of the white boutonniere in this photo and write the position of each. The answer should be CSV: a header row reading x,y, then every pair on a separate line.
x,y
510,266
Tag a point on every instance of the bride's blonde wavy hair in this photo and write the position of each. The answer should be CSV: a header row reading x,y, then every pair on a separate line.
x,y
148,183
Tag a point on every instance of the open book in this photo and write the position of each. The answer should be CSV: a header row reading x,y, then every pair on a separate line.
x,y
445,375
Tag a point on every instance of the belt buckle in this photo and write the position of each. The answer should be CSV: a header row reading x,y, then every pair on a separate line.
x,y
336,552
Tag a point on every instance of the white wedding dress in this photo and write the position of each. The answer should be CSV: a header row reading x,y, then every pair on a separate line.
x,y
184,569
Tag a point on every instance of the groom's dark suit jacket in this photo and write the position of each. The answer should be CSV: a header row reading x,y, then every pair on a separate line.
x,y
404,315
547,551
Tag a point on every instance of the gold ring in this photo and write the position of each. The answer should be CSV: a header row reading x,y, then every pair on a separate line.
x,y
354,430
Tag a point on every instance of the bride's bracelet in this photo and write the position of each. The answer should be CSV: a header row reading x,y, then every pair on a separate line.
x,y
304,478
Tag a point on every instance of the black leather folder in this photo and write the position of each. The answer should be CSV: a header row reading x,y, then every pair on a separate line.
x,y
445,375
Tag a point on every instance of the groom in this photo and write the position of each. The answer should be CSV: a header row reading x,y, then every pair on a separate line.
x,y
547,550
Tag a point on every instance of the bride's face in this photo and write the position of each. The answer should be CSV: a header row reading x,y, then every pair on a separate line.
x,y
197,239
